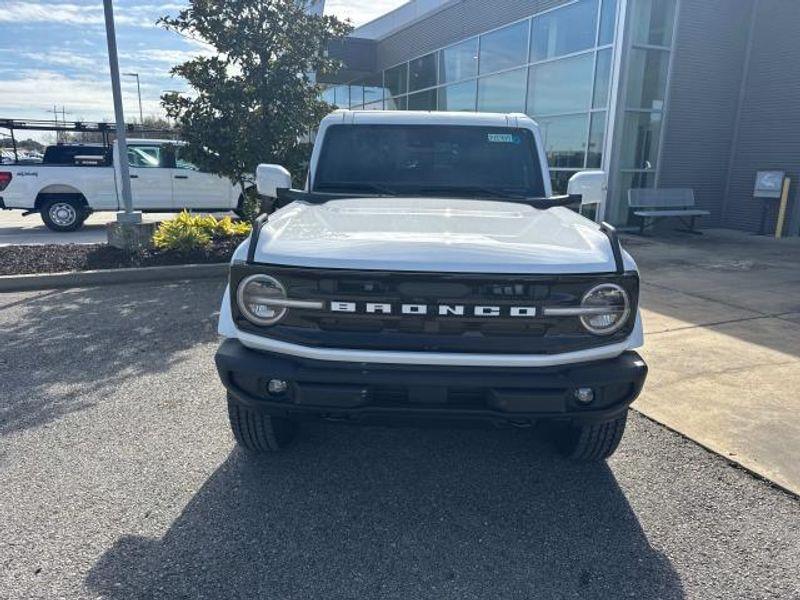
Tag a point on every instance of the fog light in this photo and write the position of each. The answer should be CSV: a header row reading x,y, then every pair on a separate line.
x,y
277,386
584,395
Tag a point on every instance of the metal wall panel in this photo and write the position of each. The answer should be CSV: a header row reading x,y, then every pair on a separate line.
x,y
706,79
769,120
454,22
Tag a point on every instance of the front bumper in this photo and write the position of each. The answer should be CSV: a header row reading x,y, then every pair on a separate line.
x,y
374,392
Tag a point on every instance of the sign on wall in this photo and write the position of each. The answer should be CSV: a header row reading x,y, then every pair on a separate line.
x,y
769,184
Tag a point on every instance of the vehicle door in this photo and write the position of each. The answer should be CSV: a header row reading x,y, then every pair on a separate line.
x,y
194,189
151,177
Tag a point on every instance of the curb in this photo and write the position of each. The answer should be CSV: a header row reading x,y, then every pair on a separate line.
x,y
75,279
728,459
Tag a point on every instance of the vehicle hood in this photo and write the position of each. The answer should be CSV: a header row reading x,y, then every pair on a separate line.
x,y
433,234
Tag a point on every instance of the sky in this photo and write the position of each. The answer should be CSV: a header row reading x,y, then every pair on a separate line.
x,y
54,53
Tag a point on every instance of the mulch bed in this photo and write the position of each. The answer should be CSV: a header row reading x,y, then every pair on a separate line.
x,y
56,258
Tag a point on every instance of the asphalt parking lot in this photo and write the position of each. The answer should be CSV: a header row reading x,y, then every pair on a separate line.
x,y
119,479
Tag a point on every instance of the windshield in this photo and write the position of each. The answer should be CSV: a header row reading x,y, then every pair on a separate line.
x,y
429,160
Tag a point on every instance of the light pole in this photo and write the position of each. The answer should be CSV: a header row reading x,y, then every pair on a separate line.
x,y
126,221
139,91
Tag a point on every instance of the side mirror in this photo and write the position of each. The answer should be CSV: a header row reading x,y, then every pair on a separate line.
x,y
271,178
590,186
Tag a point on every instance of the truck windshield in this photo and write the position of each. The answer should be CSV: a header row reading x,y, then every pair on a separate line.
x,y
429,160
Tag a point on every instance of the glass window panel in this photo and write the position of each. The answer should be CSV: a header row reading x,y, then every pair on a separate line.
x,y
459,62
561,86
559,181
356,95
374,106
460,96
373,88
602,79
563,31
400,103
422,100
652,22
181,162
342,94
502,93
640,140
504,48
608,18
329,95
374,80
619,213
564,140
144,157
422,72
396,79
457,159
647,79
372,94
597,136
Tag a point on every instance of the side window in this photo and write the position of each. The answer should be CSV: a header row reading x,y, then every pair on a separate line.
x,y
181,162
144,156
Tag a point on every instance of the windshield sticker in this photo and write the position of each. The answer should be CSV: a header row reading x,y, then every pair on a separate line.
x,y
503,138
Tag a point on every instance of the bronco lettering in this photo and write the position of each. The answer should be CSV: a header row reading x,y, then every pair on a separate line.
x,y
444,310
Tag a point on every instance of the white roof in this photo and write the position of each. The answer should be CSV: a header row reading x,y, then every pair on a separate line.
x,y
412,117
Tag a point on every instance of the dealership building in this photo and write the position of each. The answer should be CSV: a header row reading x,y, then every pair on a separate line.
x,y
696,94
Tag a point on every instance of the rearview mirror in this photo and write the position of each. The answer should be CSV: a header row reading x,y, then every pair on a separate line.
x,y
271,178
590,186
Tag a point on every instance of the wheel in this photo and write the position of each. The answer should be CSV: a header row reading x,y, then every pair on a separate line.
x,y
259,432
63,214
590,443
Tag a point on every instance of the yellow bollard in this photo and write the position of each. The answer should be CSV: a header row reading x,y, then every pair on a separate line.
x,y
782,211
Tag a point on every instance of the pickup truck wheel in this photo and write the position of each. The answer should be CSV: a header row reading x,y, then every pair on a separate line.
x,y
258,432
591,443
63,214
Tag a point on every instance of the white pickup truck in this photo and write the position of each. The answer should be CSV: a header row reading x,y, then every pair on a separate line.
x,y
161,181
426,272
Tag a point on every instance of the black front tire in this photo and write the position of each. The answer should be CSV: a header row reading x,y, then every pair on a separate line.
x,y
591,443
257,431
63,214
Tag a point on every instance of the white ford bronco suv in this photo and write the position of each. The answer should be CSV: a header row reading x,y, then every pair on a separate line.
x,y
426,272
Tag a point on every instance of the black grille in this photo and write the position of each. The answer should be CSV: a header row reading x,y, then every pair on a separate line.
x,y
431,332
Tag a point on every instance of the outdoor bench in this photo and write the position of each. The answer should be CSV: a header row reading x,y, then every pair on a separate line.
x,y
653,204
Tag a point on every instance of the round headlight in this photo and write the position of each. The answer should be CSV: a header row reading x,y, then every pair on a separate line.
x,y
256,296
606,309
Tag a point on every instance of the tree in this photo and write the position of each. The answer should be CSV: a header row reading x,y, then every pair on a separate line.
x,y
28,144
254,101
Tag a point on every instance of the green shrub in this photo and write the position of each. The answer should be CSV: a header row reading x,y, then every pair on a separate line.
x,y
187,231
182,233
227,227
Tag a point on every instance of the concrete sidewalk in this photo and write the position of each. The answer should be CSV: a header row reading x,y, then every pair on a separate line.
x,y
18,230
722,323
